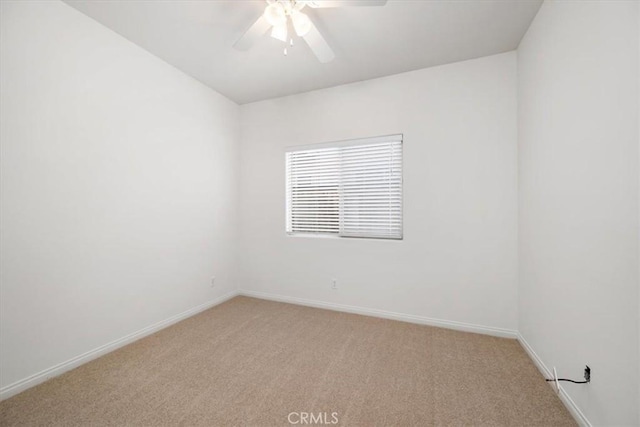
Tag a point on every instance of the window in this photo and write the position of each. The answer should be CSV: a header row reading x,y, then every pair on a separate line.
x,y
346,189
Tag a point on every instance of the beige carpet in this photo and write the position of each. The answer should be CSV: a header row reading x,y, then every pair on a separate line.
x,y
253,362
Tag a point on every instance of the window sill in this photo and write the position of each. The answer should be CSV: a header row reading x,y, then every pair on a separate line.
x,y
336,237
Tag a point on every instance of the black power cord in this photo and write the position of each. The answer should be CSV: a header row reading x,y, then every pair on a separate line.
x,y
587,377
571,381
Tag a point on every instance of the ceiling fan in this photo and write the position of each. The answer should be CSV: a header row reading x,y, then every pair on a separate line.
x,y
278,14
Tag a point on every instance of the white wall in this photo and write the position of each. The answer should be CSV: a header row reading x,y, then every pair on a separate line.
x,y
119,178
457,261
578,191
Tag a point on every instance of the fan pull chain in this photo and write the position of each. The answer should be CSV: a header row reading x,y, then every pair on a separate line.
x,y
290,44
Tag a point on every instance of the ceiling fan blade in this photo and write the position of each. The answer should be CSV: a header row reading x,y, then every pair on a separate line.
x,y
318,45
344,3
253,34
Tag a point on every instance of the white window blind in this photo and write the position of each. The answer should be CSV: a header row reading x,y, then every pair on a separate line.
x,y
346,189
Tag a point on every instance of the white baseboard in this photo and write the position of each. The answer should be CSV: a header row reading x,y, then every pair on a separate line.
x,y
577,414
459,326
40,377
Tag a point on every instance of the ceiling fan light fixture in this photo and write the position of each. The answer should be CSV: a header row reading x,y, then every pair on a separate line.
x,y
280,32
275,14
301,23
276,18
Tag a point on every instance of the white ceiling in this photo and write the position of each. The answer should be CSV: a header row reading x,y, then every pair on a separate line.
x,y
369,42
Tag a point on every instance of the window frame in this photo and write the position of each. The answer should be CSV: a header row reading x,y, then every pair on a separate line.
x,y
392,138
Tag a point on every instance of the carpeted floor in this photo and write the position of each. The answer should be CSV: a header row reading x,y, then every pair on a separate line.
x,y
254,362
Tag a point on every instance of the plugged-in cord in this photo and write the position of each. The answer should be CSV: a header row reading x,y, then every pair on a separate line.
x,y
587,377
571,381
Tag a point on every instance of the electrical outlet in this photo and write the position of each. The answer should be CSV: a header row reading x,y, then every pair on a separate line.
x,y
213,281
587,374
334,284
